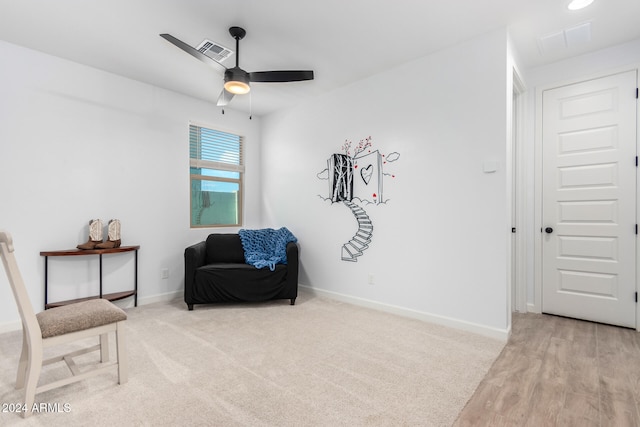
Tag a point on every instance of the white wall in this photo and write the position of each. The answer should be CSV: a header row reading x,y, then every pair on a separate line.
x,y
440,244
77,143
615,59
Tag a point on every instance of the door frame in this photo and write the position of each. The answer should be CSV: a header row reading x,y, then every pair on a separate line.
x,y
537,232
518,179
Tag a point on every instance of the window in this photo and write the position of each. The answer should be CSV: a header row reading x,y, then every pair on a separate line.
x,y
216,169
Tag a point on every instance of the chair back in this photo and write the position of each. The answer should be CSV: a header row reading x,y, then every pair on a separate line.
x,y
29,321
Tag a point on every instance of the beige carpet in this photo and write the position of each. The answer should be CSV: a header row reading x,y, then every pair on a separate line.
x,y
318,363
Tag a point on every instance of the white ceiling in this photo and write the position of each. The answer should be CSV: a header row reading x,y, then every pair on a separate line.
x,y
341,40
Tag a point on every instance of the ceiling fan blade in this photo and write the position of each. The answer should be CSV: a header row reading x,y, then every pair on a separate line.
x,y
224,98
191,51
281,76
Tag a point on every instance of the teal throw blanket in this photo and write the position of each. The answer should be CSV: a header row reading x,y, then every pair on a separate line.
x,y
266,247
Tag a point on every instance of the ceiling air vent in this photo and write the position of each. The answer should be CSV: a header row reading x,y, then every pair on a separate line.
x,y
214,50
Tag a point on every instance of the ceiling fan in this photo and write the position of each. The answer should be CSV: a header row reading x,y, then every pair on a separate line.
x,y
236,80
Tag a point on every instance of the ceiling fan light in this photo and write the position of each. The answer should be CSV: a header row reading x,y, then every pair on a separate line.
x,y
236,81
579,4
237,87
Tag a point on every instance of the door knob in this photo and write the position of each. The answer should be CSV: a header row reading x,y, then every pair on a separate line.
x,y
548,230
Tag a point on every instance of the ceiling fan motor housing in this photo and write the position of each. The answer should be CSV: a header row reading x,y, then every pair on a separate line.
x,y
236,80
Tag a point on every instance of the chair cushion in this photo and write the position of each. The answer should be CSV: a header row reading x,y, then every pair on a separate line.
x,y
78,317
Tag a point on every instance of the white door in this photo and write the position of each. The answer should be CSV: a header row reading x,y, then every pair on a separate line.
x,y
589,200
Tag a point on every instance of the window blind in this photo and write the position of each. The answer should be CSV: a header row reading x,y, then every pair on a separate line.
x,y
214,149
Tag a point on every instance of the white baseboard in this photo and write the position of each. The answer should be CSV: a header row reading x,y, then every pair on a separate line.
x,y
125,303
169,296
10,326
495,333
531,308
499,334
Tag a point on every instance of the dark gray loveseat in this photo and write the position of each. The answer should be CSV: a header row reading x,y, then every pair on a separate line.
x,y
215,271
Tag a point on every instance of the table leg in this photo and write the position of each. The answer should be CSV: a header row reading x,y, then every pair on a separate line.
x,y
46,281
135,283
100,275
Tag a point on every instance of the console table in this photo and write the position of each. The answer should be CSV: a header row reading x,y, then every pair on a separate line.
x,y
79,252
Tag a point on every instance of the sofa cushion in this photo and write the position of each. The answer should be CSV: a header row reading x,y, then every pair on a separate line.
x,y
224,248
238,282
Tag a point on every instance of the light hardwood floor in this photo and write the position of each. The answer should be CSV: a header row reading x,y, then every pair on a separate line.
x,y
556,371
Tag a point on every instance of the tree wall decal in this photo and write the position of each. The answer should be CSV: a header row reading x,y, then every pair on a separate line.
x,y
357,175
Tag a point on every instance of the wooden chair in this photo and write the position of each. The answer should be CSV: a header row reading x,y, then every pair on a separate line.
x,y
96,317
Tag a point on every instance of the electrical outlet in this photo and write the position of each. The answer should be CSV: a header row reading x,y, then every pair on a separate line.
x,y
371,281
164,273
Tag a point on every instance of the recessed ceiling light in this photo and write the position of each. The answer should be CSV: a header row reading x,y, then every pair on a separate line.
x,y
579,4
